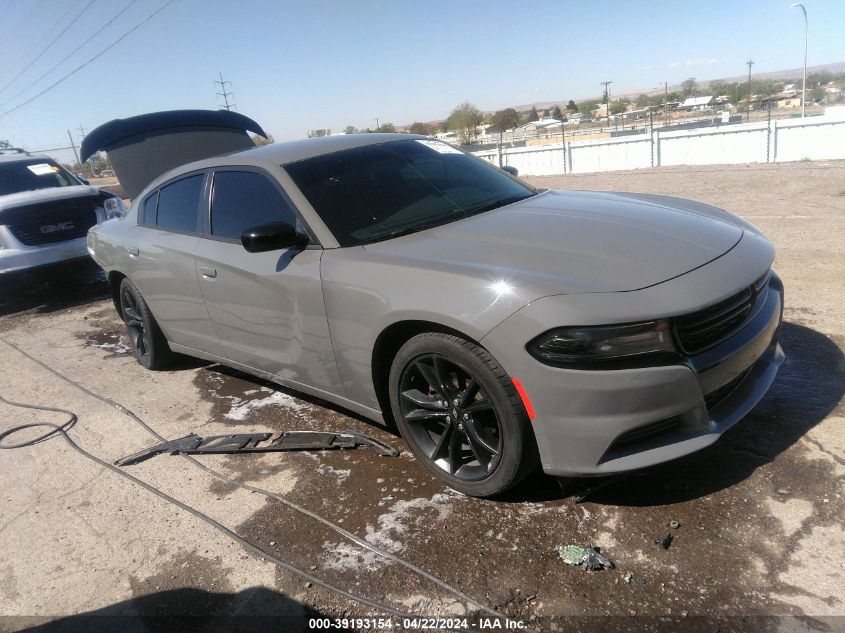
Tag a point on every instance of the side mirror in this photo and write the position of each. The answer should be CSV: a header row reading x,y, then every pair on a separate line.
x,y
513,171
272,237
83,180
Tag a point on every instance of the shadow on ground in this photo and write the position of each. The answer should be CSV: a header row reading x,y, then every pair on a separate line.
x,y
253,610
53,288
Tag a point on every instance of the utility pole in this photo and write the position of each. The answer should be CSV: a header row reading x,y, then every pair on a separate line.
x,y
225,94
73,145
607,100
804,78
665,103
82,136
750,63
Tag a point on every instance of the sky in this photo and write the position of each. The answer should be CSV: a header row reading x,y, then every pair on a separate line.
x,y
311,64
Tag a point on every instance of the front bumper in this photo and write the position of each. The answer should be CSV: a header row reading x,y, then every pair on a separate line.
x,y
598,422
15,256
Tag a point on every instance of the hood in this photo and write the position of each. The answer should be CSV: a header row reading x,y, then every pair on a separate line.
x,y
30,198
561,242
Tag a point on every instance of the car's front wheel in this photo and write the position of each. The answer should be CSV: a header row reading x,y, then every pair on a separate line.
x,y
460,414
149,345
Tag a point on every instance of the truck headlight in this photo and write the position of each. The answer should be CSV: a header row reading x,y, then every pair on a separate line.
x,y
114,208
597,345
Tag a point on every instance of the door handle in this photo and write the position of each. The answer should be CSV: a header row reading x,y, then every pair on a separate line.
x,y
208,273
133,251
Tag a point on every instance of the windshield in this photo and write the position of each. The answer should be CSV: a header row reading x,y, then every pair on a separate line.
x,y
28,175
380,191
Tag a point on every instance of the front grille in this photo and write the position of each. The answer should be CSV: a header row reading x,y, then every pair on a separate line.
x,y
52,222
701,330
715,398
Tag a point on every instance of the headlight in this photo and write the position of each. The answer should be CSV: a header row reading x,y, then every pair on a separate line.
x,y
578,346
114,208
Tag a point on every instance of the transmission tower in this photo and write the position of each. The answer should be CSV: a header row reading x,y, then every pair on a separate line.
x,y
225,94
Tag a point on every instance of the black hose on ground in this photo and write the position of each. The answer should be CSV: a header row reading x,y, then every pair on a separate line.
x,y
340,530
61,430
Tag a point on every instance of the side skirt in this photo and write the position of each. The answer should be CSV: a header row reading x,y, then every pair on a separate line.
x,y
372,414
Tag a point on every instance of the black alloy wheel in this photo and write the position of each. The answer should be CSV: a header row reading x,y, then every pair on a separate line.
x,y
451,417
149,345
135,327
460,414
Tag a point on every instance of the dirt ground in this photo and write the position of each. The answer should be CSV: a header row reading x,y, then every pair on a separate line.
x,y
760,547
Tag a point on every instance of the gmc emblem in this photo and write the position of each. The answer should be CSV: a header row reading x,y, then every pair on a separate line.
x,y
53,228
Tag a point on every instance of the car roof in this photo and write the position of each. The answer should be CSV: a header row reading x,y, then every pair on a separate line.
x,y
22,156
286,152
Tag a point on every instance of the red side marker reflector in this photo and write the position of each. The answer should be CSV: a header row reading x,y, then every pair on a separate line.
x,y
529,409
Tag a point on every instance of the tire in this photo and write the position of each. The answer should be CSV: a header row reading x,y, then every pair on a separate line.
x,y
480,444
149,346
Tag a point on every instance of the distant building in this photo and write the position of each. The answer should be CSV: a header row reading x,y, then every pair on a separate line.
x,y
698,103
783,100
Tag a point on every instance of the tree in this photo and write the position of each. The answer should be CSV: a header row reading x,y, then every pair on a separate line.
x,y
506,119
420,128
318,133
533,116
690,87
571,106
617,106
386,127
350,129
258,141
557,113
464,120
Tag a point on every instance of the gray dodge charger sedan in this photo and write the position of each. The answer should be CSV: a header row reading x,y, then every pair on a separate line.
x,y
497,325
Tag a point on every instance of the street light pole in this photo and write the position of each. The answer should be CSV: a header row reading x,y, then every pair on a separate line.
x,y
804,80
750,63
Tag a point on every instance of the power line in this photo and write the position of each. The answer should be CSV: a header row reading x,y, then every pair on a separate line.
x,y
50,44
84,64
71,54
224,94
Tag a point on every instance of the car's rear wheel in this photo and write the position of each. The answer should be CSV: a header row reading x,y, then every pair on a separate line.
x,y
460,414
148,343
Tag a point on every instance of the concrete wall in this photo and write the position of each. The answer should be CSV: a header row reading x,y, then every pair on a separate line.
x,y
820,137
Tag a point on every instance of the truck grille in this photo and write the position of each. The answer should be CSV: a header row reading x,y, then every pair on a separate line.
x,y
701,330
52,222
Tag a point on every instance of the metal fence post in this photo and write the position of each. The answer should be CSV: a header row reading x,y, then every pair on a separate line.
x,y
769,133
651,135
563,145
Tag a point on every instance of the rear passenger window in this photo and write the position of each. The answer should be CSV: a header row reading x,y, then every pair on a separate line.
x,y
245,199
178,204
150,204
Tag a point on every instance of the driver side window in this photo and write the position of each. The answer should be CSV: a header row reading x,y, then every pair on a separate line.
x,y
245,199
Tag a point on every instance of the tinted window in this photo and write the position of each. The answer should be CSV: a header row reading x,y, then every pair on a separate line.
x,y
29,175
178,203
149,216
380,191
244,199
